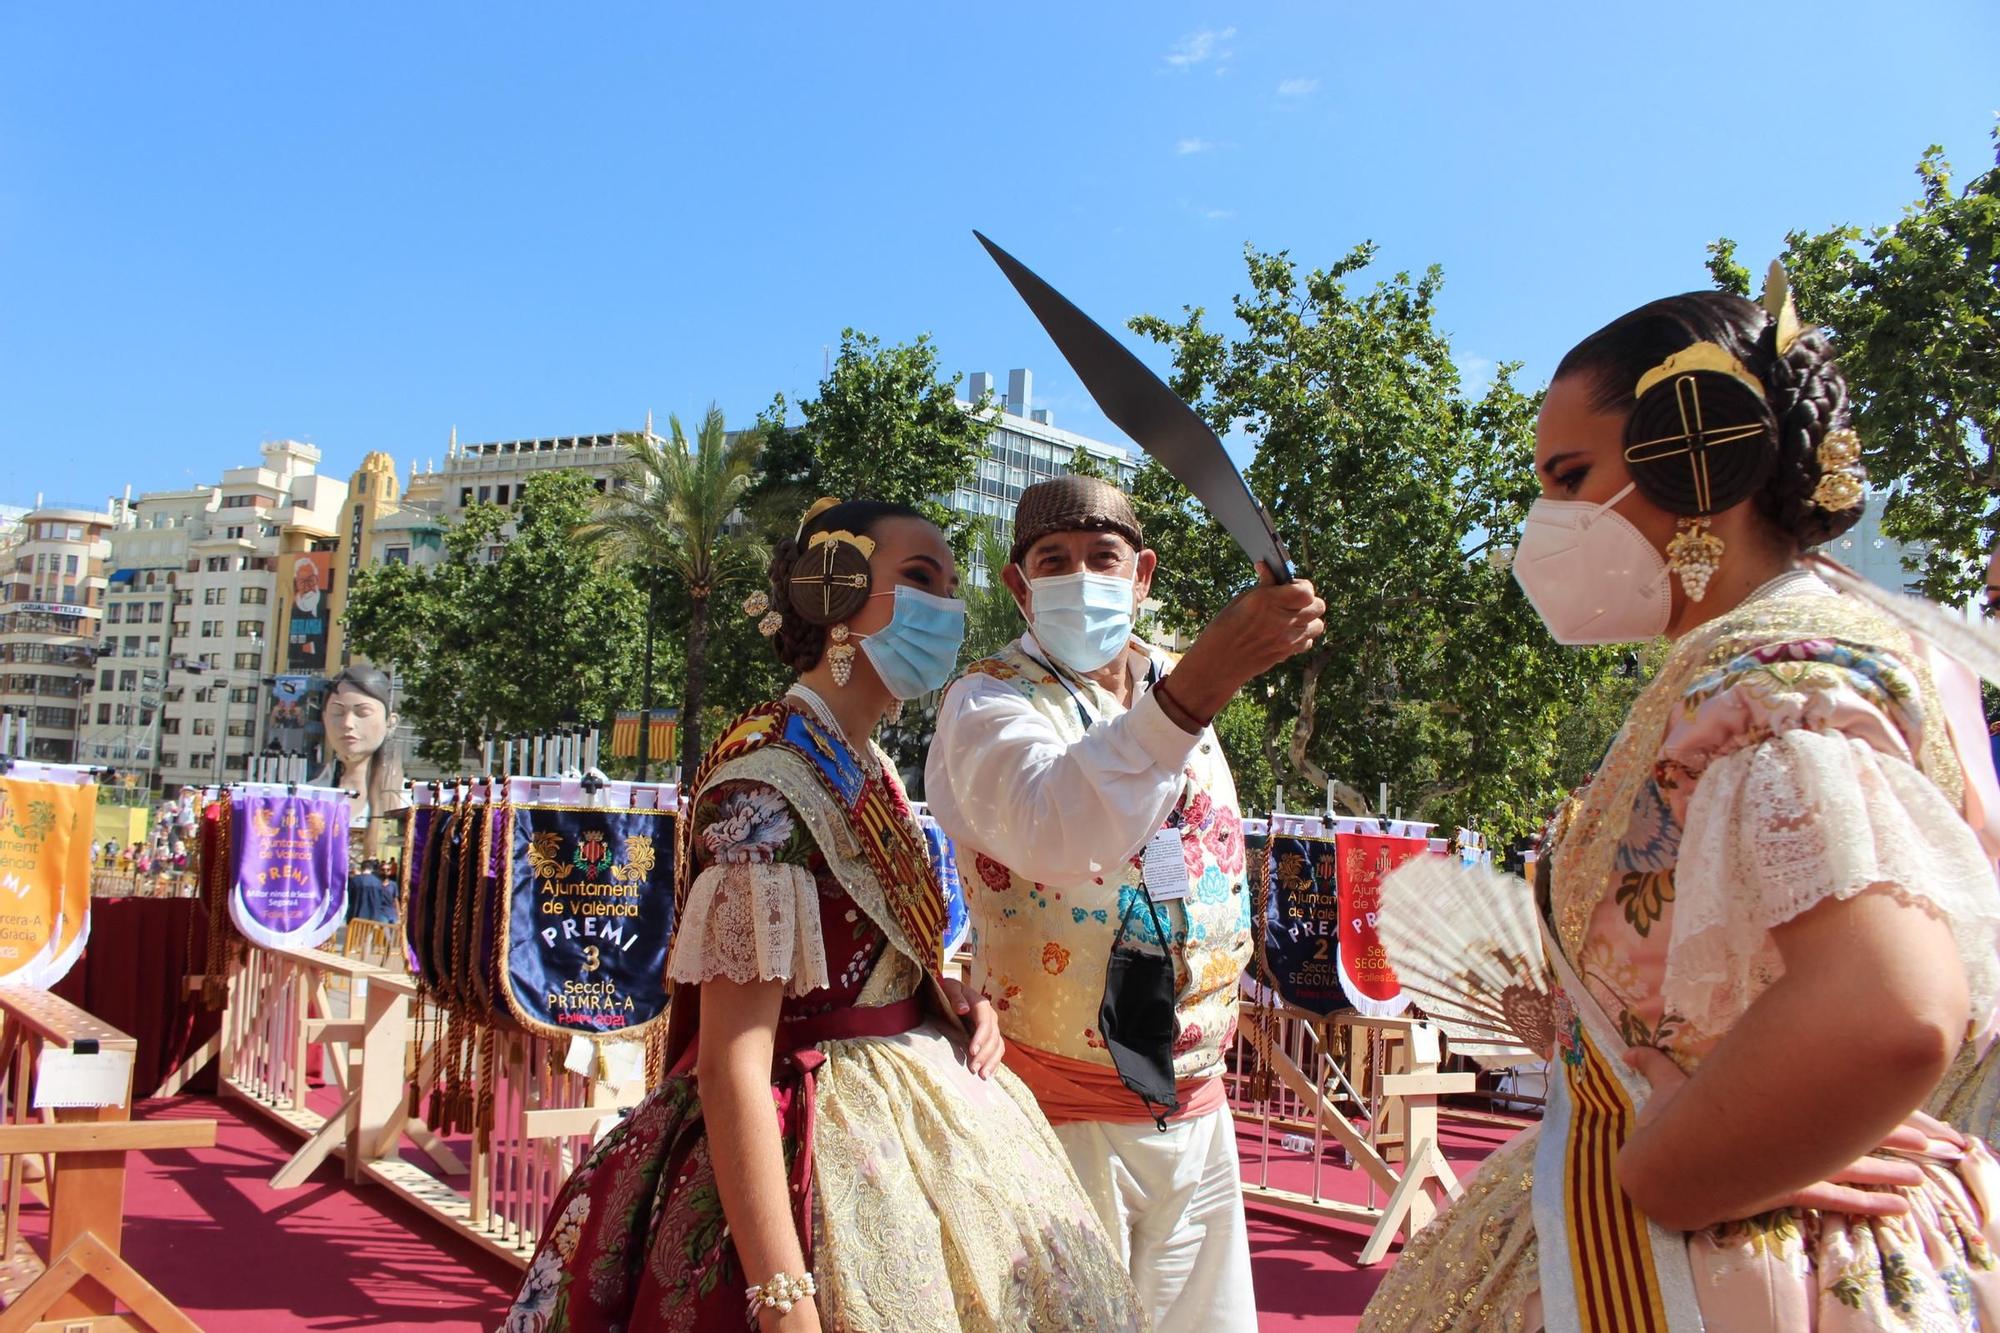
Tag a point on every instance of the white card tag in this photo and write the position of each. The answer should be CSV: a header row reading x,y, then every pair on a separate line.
x,y
1165,867
64,1078
624,1063
581,1058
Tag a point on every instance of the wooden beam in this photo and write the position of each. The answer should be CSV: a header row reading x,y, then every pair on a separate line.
x,y
107,1136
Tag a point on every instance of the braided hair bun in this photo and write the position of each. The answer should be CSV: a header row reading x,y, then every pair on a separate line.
x,y
801,637
1777,466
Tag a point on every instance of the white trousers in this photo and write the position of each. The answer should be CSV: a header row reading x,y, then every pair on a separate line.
x,y
1173,1203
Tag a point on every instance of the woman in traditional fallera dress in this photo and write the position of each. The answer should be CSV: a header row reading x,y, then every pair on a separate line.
x,y
829,1150
1771,913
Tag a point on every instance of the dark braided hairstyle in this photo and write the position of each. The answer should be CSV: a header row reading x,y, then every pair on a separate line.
x,y
1805,394
799,643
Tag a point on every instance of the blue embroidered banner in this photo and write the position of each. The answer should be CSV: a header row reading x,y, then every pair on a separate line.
x,y
289,877
589,914
944,859
1302,923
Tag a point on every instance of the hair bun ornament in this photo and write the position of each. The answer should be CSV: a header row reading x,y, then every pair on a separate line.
x,y
1700,438
830,580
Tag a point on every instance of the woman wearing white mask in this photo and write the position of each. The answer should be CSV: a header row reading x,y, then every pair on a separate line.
x,y
1773,919
829,1147
1079,777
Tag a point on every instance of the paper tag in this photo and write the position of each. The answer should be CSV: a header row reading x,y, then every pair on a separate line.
x,y
582,1057
624,1063
64,1078
1165,867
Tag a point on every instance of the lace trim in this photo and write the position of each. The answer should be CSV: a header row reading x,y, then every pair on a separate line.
x,y
751,922
1774,830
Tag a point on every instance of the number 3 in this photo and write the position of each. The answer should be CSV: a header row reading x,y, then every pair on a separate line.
x,y
590,957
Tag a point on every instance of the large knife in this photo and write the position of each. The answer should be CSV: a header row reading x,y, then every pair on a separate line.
x,y
1152,414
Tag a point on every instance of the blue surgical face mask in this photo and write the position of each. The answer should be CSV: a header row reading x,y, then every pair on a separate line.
x,y
916,651
1083,619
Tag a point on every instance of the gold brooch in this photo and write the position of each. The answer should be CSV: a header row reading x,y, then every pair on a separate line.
x,y
1840,484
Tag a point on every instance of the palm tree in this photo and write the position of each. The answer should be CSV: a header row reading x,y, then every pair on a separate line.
x,y
672,511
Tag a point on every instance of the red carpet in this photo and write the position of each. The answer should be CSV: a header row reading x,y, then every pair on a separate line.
x,y
207,1229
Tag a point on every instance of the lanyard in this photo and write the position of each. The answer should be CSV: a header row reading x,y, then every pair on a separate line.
x,y
1084,716
1083,713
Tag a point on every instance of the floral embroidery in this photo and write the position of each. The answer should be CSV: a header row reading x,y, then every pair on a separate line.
x,y
749,823
1644,895
991,873
1054,958
1224,839
1569,1032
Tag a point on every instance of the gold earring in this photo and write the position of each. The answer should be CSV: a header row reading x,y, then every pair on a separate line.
x,y
1694,554
840,656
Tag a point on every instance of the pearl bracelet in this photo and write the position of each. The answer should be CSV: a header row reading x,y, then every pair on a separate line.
x,y
781,1293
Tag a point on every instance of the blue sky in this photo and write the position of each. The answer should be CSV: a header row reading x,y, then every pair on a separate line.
x,y
364,224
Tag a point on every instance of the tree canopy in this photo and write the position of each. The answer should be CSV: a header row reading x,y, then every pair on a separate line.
x,y
505,636
1914,308
1390,488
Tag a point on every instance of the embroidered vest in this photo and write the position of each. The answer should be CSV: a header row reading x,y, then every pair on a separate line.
x,y
1039,950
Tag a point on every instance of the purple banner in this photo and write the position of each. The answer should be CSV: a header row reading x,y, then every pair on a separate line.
x,y
288,854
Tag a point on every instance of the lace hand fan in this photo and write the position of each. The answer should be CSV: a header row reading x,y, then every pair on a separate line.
x,y
1465,943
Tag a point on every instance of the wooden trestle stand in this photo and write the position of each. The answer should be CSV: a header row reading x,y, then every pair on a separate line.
x,y
1405,1123
84,1281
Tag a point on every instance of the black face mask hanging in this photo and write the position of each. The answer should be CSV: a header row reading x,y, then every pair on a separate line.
x,y
1137,1015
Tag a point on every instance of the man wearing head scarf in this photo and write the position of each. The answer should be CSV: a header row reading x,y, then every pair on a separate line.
x,y
1079,775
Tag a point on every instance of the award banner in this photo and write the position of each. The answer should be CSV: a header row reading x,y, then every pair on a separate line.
x,y
1302,923
45,833
1365,861
288,865
587,919
944,860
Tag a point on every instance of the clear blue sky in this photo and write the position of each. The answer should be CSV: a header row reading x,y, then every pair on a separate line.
x,y
362,224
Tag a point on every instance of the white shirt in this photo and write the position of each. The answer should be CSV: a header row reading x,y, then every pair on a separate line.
x,y
1002,780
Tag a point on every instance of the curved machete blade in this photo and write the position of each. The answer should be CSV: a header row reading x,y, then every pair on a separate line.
x,y
1151,413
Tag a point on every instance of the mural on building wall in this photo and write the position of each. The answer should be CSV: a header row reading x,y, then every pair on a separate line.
x,y
311,611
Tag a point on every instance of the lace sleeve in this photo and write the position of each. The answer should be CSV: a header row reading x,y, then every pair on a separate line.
x,y
1776,828
752,913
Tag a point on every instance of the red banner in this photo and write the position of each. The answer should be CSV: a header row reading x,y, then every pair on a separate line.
x,y
1365,860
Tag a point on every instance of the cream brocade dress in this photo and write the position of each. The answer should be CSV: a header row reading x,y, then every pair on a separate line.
x,y
939,1201
1795,756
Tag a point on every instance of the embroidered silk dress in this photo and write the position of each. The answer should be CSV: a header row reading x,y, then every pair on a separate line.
x,y
927,1198
1789,752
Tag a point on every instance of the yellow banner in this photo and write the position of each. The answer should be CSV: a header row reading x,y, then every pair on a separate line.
x,y
45,832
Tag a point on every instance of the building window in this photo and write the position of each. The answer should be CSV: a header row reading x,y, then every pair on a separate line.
x,y
210,628
464,497
184,597
485,494
235,534
152,645
500,495
127,680
238,501
253,596
242,727
131,646
263,563
201,726
210,596
104,715
248,662
249,629
170,726
156,612
243,694
396,555
104,680
180,629
113,614
170,759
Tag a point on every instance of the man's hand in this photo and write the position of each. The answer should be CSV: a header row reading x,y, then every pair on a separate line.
x,y
1261,628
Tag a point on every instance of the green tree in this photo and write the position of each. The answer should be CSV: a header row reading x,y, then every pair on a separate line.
x,y
1390,488
992,620
1083,464
1914,308
881,426
539,636
674,510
